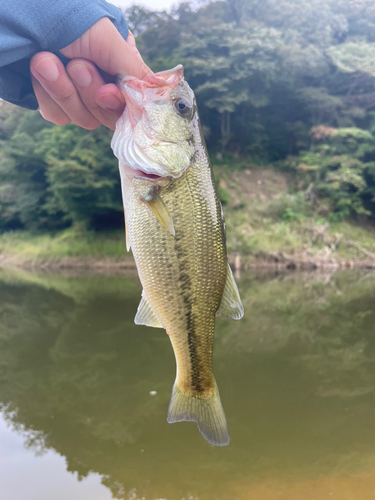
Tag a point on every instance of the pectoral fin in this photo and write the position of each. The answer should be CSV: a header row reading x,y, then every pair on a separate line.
x,y
161,212
231,305
145,315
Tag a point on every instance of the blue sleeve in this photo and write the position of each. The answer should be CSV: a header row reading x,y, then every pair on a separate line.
x,y
28,27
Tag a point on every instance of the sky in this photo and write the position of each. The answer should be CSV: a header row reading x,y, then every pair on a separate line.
x,y
151,4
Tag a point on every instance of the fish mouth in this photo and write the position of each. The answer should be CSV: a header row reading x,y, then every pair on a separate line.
x,y
147,175
138,173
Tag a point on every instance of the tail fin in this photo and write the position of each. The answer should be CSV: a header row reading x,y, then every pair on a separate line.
x,y
206,411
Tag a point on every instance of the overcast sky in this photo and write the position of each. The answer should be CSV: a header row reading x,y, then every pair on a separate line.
x,y
151,4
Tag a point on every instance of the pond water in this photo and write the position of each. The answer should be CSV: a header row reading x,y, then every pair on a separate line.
x,y
84,393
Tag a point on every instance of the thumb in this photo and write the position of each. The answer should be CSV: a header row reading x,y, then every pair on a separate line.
x,y
103,45
131,40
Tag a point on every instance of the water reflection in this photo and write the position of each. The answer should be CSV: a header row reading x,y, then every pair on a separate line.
x,y
43,477
296,376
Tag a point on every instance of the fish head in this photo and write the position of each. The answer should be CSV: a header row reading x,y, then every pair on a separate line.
x,y
154,135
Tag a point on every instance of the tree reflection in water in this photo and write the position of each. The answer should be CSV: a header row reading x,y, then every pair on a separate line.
x,y
297,378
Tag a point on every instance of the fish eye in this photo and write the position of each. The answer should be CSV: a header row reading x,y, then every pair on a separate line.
x,y
182,106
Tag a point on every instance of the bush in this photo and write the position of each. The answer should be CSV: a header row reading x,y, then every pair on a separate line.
x,y
340,164
290,207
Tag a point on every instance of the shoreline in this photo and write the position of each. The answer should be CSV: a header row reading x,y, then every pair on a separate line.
x,y
273,261
69,263
285,262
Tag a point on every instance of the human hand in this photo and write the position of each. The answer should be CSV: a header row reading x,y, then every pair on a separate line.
x,y
79,93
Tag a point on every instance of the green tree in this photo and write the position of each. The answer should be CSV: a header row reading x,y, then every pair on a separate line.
x,y
82,175
23,183
51,176
232,66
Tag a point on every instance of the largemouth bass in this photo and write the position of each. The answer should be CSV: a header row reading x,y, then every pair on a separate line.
x,y
175,228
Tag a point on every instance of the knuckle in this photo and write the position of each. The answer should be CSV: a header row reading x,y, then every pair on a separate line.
x,y
91,105
66,96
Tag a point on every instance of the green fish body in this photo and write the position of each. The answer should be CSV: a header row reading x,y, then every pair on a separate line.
x,y
176,231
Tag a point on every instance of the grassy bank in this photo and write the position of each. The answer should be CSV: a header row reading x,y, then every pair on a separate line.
x,y
265,223
75,248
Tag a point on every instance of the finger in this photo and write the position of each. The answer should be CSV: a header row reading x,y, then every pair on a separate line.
x,y
131,42
47,106
103,45
88,82
51,74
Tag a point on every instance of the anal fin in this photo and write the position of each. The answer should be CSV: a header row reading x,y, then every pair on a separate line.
x,y
145,315
231,305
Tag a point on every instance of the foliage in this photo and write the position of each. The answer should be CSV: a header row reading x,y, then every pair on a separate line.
x,y
223,195
51,177
351,57
290,207
341,166
82,174
264,72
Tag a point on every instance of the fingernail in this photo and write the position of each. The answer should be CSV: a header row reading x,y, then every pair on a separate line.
x,y
109,101
80,75
47,69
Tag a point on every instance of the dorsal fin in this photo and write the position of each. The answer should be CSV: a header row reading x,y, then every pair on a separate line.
x,y
231,305
145,315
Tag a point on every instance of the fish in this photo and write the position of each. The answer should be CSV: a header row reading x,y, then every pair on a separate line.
x,y
175,229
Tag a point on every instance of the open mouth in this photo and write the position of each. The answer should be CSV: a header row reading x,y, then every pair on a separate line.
x,y
140,173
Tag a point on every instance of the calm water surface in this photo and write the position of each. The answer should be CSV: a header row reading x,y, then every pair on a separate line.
x,y
296,376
